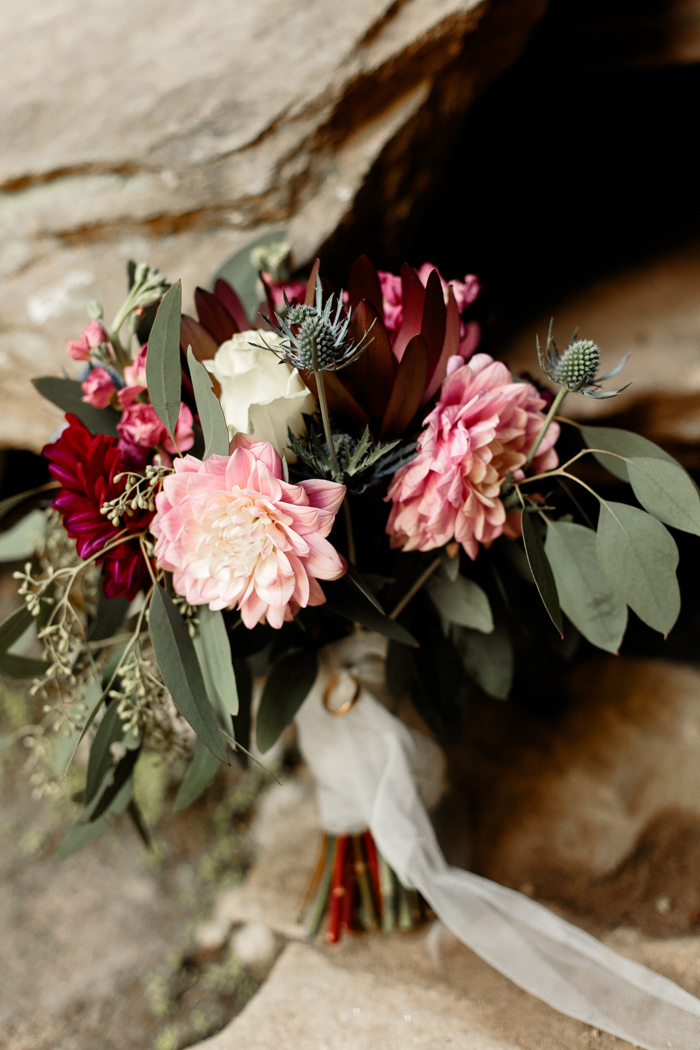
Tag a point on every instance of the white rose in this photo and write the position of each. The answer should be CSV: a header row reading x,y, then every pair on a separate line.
x,y
260,395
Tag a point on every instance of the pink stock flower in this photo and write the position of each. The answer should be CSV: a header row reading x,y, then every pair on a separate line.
x,y
93,335
140,427
235,535
465,292
483,426
98,388
135,373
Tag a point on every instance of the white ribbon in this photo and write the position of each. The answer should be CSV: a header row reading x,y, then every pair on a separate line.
x,y
365,764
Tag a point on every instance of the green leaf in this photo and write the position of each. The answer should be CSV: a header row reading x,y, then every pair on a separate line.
x,y
116,790
101,762
288,684
216,653
84,711
181,672
201,773
12,629
541,571
163,371
666,491
348,602
15,666
364,587
585,594
68,395
25,538
622,443
487,658
80,836
111,613
211,414
450,566
639,557
462,602
6,505
242,275
139,823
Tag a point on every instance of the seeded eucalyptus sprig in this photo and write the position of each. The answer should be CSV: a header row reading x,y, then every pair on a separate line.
x,y
576,372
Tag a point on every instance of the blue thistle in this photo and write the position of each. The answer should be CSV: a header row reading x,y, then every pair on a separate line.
x,y
576,370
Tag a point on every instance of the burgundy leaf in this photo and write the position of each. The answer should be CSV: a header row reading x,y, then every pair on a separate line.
x,y
310,297
364,284
412,297
224,292
341,403
214,316
450,346
192,334
371,376
407,392
433,320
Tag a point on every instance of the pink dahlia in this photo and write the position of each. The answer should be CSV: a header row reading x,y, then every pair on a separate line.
x,y
235,535
483,426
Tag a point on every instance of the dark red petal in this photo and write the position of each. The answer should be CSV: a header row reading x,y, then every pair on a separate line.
x,y
224,292
412,298
214,316
364,284
407,392
433,320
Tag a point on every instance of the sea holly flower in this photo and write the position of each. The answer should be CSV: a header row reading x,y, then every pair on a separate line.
x,y
92,336
236,535
481,428
98,388
315,338
576,370
90,469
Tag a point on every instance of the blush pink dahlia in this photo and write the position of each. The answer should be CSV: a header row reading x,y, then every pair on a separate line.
x,y
235,535
483,426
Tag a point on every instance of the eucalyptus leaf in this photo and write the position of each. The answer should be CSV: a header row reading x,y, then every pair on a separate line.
x,y
622,443
163,371
201,773
585,594
101,762
15,666
12,628
83,713
80,836
116,790
217,654
639,557
211,414
666,491
139,823
462,602
67,394
111,613
348,602
25,538
487,658
181,672
450,566
287,686
363,585
541,571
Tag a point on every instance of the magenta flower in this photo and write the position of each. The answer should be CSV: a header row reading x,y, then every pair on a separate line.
x,y
482,426
98,388
93,335
235,535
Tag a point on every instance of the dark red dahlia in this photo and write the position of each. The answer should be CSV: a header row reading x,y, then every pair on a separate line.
x,y
85,464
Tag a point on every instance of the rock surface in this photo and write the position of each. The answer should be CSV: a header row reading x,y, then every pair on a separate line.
x,y
423,988
181,137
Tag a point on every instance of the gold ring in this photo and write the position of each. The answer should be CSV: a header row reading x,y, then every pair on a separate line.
x,y
344,708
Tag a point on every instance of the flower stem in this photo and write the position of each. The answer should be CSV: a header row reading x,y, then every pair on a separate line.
x,y
561,394
424,576
323,405
352,554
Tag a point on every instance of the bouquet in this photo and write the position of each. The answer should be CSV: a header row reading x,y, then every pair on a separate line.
x,y
330,481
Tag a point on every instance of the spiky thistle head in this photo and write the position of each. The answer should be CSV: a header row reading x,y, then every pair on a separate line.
x,y
577,368
315,338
